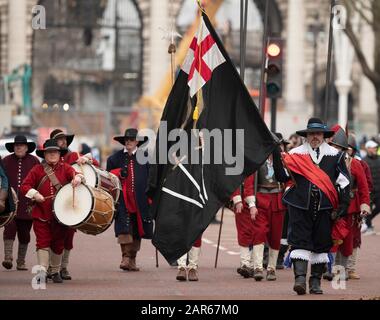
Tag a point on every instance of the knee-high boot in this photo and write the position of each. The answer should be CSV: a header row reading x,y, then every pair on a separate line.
x,y
315,278
21,255
300,271
8,254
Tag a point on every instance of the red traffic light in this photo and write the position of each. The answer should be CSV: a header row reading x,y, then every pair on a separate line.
x,y
273,50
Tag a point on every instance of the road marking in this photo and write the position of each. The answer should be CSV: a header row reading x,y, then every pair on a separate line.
x,y
220,247
207,241
232,253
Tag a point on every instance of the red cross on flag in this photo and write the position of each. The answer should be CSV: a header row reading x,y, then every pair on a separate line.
x,y
202,58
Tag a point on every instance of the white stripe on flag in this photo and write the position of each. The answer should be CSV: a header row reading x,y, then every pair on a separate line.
x,y
182,197
192,180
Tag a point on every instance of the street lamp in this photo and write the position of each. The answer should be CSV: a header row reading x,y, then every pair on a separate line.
x,y
316,29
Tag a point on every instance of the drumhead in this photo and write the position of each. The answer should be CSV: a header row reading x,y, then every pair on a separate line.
x,y
64,210
89,173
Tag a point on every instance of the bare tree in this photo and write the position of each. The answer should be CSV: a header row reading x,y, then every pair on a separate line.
x,y
369,11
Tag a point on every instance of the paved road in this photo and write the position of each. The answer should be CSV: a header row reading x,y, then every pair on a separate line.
x,y
95,260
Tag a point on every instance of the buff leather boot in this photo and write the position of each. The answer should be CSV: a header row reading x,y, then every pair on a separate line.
x,y
124,257
351,266
22,249
8,254
65,275
56,260
133,248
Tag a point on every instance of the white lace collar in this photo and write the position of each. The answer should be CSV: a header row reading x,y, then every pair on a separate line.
x,y
324,150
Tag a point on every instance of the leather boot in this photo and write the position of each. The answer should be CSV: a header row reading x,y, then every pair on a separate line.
x,y
315,278
351,266
3,197
22,249
327,275
133,248
280,258
65,275
56,260
8,254
181,275
193,275
132,264
124,257
300,270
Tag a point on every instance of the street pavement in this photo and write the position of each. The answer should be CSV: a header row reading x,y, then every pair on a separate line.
x,y
94,266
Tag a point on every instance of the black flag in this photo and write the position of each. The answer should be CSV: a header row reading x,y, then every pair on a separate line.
x,y
187,195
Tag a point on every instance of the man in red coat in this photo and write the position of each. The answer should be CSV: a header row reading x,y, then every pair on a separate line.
x,y
357,218
260,218
41,185
64,141
344,228
17,165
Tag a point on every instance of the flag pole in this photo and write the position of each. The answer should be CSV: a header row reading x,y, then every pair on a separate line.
x,y
329,58
262,80
243,36
263,60
220,233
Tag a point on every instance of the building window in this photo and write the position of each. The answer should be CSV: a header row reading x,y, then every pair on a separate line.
x,y
89,47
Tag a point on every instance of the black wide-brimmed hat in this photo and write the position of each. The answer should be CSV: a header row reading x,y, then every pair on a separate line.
x,y
10,146
340,139
352,143
316,125
50,144
58,133
281,138
131,133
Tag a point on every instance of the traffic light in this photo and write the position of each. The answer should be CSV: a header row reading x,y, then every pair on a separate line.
x,y
274,67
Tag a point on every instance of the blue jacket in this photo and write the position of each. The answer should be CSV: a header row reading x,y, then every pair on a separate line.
x,y
119,160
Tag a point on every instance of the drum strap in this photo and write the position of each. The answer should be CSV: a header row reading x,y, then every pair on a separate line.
x,y
51,176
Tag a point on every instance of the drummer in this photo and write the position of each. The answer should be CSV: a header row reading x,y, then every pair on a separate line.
x,y
64,141
41,185
4,185
17,165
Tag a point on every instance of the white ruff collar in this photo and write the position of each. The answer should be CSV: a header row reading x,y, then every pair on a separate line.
x,y
324,150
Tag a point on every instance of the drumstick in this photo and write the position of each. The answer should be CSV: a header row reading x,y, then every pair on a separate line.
x,y
73,197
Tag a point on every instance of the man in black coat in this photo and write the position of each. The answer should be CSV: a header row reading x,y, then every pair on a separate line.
x,y
318,194
373,161
132,220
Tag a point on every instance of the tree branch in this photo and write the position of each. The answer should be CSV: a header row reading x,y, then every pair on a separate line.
x,y
356,7
370,74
